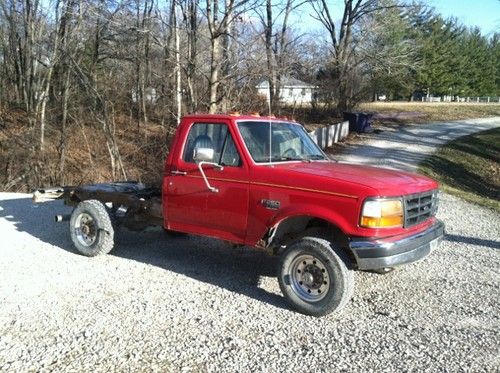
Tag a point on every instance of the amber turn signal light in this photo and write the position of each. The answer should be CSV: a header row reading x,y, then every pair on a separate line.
x,y
382,213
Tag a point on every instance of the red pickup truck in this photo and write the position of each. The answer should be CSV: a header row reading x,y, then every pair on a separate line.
x,y
262,182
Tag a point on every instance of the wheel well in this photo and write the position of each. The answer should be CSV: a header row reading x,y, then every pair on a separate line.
x,y
296,227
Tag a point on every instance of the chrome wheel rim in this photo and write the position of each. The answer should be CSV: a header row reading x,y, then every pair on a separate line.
x,y
85,229
309,278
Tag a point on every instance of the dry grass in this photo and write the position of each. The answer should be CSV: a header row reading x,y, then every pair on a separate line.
x,y
396,112
423,112
469,167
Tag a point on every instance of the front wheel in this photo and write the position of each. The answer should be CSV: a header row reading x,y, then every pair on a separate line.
x,y
314,277
91,228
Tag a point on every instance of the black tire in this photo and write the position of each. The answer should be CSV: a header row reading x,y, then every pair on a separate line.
x,y
91,228
315,260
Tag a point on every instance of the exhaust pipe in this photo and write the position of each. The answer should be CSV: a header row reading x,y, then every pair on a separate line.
x,y
61,218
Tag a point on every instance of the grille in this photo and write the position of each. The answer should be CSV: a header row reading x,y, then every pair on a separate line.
x,y
420,207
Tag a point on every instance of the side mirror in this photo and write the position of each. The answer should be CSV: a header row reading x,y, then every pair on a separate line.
x,y
203,154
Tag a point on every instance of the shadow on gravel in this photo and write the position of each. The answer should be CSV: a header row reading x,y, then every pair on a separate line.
x,y
37,220
207,260
473,241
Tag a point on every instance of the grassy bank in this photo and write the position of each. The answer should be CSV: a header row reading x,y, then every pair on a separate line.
x,y
469,168
423,112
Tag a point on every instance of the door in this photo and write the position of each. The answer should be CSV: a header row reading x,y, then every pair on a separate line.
x,y
191,206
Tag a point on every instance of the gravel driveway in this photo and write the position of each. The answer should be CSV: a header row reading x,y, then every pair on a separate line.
x,y
193,304
404,146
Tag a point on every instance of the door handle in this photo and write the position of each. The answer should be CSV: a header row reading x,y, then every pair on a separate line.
x,y
176,172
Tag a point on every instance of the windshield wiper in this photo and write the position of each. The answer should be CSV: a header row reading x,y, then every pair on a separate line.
x,y
276,159
315,157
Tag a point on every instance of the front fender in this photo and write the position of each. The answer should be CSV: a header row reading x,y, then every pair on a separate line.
x,y
313,211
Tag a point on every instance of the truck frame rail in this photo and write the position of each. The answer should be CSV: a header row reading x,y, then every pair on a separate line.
x,y
133,204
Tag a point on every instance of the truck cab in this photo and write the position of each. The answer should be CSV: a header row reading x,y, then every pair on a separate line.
x,y
263,182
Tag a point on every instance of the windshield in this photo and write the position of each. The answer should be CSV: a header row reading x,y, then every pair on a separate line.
x,y
289,142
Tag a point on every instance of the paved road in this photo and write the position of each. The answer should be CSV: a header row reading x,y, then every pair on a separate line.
x,y
193,304
404,146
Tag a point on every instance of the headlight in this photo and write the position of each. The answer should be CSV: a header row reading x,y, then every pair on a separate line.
x,y
382,213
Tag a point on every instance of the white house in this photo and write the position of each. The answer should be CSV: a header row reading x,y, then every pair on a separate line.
x,y
292,91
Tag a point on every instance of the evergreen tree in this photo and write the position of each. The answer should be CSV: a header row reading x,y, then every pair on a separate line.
x,y
454,59
388,49
494,48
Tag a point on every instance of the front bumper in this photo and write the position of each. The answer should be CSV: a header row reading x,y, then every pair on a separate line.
x,y
394,251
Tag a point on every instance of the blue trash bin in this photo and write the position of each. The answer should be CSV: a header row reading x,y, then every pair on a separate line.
x,y
359,122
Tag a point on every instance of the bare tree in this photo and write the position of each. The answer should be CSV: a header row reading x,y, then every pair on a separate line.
x,y
341,39
219,21
47,80
216,28
104,114
191,21
144,9
277,41
25,33
174,49
21,18
67,33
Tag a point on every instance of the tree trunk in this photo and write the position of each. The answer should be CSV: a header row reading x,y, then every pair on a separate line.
x,y
226,56
213,82
271,71
192,31
64,120
48,81
146,15
177,69
139,90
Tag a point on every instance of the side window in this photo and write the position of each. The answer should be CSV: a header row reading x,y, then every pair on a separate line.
x,y
230,156
215,136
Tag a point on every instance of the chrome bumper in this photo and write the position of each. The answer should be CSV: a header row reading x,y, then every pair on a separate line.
x,y
390,252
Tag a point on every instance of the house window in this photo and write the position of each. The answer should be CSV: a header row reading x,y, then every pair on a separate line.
x,y
303,92
290,92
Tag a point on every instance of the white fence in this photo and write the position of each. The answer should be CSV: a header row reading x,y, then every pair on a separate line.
x,y
328,135
484,100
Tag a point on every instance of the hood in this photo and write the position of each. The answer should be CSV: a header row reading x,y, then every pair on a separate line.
x,y
385,181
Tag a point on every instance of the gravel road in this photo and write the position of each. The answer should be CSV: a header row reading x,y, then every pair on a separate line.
x,y
404,146
193,304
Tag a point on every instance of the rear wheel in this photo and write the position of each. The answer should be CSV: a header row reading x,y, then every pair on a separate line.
x,y
314,276
91,228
